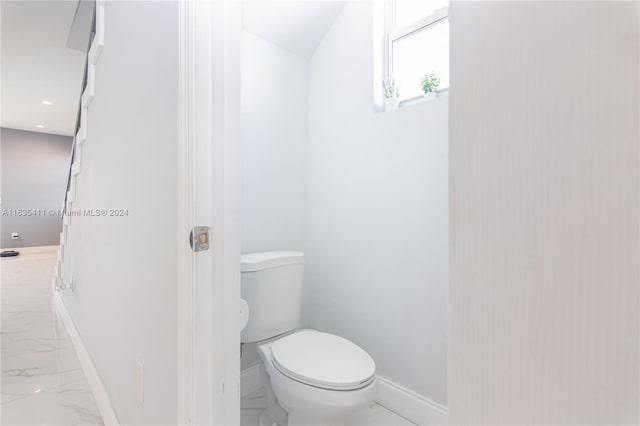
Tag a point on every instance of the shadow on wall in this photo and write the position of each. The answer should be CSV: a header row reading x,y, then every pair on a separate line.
x,y
34,179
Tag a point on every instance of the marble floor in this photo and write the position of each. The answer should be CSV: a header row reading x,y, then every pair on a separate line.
x,y
42,382
373,415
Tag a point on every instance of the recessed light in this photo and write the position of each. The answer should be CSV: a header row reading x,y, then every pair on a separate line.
x,y
48,103
40,126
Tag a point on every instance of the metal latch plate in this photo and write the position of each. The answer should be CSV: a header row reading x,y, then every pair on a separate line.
x,y
199,238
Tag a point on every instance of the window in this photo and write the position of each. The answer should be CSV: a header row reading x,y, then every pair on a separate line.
x,y
418,43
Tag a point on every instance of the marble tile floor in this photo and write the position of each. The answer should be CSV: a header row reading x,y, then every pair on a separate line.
x,y
373,415
42,382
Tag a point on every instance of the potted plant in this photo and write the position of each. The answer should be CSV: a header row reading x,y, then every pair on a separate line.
x,y
430,83
391,93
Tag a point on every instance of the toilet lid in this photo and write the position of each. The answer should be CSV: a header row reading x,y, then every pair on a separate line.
x,y
323,360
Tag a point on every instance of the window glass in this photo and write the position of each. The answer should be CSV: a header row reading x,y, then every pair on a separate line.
x,y
409,11
420,52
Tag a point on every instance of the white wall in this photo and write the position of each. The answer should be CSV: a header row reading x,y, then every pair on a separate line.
x,y
274,152
124,268
544,207
274,147
377,249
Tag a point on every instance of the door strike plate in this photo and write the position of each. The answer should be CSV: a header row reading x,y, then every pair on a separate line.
x,y
199,238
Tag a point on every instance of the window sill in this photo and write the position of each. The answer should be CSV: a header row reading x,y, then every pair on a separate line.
x,y
420,99
416,100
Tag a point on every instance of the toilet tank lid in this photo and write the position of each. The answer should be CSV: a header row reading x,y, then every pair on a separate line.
x,y
269,259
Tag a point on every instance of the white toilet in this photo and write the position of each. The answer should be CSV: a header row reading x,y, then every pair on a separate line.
x,y
311,378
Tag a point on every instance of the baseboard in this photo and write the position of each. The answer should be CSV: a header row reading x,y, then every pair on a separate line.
x,y
250,380
91,373
410,405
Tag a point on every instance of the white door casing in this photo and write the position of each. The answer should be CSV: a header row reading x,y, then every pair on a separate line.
x,y
209,194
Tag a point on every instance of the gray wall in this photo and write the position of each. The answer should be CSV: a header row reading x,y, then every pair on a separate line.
x,y
34,176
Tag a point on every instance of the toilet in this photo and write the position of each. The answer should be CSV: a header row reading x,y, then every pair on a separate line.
x,y
310,377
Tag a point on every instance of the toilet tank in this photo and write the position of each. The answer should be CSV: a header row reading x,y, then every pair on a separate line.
x,y
272,287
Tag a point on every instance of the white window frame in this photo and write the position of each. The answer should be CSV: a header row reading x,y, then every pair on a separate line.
x,y
394,34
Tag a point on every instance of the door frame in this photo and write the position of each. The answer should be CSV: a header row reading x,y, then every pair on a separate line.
x,y
208,293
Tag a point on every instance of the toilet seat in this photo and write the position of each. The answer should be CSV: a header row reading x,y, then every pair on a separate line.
x,y
323,360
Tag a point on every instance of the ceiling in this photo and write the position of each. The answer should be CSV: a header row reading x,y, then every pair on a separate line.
x,y
295,25
38,66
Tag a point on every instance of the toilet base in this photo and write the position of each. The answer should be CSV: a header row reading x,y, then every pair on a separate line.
x,y
292,403
275,415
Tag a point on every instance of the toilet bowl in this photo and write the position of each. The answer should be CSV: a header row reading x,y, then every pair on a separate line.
x,y
318,378
310,378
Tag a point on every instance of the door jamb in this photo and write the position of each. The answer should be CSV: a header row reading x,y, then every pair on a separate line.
x,y
208,294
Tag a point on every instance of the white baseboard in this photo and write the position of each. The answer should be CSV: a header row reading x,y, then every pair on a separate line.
x,y
91,373
250,380
410,405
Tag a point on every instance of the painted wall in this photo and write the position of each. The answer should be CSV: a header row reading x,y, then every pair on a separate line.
x,y
274,151
364,195
377,248
274,148
545,201
124,268
35,167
